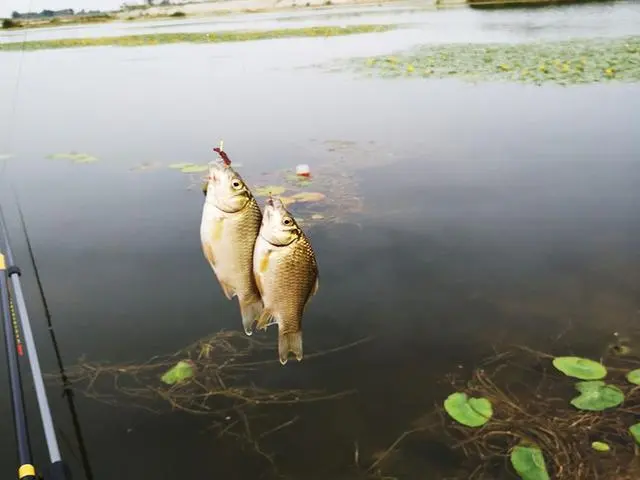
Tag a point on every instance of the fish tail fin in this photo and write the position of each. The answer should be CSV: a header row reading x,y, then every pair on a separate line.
x,y
250,311
290,342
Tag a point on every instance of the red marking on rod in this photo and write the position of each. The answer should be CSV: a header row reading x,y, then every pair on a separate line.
x,y
20,351
225,157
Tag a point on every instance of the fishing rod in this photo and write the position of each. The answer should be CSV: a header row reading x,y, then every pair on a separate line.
x,y
26,471
58,469
67,387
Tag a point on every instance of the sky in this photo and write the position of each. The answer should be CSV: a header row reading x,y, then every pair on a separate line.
x,y
8,6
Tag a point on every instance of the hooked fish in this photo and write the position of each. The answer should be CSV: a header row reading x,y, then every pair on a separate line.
x,y
286,272
230,224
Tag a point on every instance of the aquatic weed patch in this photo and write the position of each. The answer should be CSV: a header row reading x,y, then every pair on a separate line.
x,y
534,412
567,62
200,38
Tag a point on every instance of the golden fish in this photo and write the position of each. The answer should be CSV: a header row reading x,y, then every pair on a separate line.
x,y
230,224
286,273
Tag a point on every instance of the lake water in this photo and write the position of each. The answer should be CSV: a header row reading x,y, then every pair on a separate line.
x,y
490,212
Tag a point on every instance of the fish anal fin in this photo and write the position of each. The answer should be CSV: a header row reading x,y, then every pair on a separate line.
x,y
290,342
251,311
265,319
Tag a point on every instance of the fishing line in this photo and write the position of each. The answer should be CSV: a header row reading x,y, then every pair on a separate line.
x,y
67,386
14,99
60,469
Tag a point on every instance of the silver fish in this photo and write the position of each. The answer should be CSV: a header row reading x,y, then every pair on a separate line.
x,y
230,224
286,272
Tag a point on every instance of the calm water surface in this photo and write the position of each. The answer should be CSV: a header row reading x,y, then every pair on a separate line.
x,y
490,212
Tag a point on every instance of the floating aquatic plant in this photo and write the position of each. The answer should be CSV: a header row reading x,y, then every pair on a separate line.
x,y
303,197
194,37
600,446
74,157
269,190
469,411
188,167
635,432
596,395
528,462
183,370
581,368
566,62
634,376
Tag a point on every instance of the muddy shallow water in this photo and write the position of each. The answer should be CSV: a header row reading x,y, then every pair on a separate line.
x,y
489,212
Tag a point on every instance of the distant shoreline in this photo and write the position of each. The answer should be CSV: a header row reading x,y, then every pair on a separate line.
x,y
190,10
229,7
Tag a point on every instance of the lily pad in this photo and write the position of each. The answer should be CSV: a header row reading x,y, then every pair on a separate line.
x,y
600,446
309,197
74,157
195,168
180,166
303,197
597,395
528,462
635,432
469,411
581,368
634,376
183,370
269,190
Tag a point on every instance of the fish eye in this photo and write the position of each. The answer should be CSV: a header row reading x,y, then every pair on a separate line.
x,y
236,184
287,221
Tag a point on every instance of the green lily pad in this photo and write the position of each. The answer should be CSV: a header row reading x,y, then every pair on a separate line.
x,y
180,166
528,462
183,370
195,168
581,368
597,395
469,411
635,432
634,376
269,190
74,157
600,446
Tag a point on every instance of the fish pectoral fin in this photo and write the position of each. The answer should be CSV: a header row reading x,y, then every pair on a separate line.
x,y
316,285
265,319
290,342
229,291
264,262
218,225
